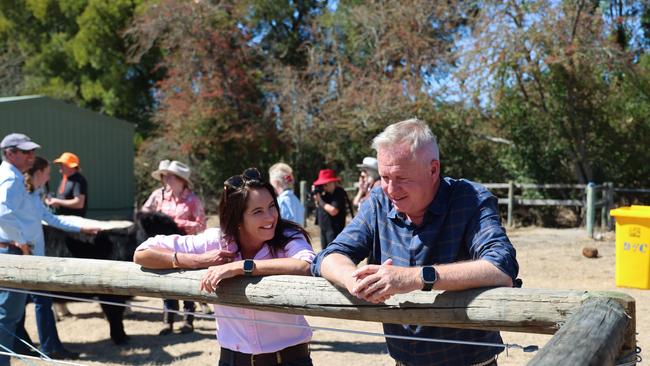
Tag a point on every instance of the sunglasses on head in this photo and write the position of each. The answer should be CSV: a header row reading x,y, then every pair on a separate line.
x,y
238,181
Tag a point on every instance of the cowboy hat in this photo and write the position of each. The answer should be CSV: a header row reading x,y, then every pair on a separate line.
x,y
174,167
368,163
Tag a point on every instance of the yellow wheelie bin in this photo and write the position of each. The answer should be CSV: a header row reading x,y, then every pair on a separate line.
x,y
632,246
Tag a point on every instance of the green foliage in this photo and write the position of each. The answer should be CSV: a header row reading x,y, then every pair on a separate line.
x,y
550,91
74,50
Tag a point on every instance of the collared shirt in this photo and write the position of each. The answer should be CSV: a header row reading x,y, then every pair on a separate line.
x,y
236,334
34,228
461,223
187,210
291,208
14,212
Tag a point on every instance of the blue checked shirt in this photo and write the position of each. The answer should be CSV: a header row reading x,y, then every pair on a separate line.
x,y
462,223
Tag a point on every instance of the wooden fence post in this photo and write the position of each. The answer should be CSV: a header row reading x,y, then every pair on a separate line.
x,y
610,204
604,208
303,199
511,203
591,209
593,335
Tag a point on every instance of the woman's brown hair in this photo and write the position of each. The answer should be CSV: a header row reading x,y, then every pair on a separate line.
x,y
232,206
39,164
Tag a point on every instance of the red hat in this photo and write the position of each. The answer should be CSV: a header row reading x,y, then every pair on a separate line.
x,y
325,176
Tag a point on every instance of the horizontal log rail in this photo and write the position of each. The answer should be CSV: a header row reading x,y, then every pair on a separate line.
x,y
507,309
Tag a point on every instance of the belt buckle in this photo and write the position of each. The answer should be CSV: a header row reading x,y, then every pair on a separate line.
x,y
252,359
278,357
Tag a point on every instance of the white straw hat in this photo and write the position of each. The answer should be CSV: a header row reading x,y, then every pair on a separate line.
x,y
174,167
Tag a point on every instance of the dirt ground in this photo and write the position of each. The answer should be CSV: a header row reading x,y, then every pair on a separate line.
x,y
548,258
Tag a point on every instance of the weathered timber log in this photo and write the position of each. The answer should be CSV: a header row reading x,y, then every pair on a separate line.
x,y
509,309
593,336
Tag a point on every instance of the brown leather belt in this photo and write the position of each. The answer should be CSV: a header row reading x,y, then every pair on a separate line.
x,y
288,354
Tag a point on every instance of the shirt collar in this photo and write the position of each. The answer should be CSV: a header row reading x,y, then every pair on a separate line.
x,y
437,207
18,173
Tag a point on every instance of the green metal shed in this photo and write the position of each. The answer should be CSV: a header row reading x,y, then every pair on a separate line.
x,y
104,146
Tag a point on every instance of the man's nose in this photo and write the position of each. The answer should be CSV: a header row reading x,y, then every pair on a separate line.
x,y
392,187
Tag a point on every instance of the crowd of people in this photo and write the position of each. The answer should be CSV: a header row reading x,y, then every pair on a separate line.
x,y
417,230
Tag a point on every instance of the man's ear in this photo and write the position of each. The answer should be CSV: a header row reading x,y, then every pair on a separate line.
x,y
435,167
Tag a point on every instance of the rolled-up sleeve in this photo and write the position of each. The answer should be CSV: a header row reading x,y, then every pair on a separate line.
x,y
486,238
197,244
354,241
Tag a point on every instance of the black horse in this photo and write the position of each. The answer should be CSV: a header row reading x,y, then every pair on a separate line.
x,y
112,244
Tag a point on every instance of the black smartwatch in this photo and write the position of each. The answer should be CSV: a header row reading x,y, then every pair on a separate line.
x,y
249,264
429,277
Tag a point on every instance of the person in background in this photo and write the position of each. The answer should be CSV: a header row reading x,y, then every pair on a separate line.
x,y
331,203
36,179
18,155
281,178
420,232
176,199
253,240
72,195
368,179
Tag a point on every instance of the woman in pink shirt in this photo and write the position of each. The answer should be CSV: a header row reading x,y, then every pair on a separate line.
x,y
176,200
252,241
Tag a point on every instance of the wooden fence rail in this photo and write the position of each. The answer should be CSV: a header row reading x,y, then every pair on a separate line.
x,y
508,309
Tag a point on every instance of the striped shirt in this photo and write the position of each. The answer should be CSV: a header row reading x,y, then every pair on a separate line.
x,y
461,223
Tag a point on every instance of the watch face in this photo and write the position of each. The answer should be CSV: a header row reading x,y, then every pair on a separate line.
x,y
428,274
248,265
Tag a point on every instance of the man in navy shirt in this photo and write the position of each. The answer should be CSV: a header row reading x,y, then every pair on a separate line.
x,y
421,231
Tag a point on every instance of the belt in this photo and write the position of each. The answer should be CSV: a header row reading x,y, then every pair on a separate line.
x,y
7,245
288,354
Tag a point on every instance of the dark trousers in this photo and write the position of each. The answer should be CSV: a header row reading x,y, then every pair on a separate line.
x,y
493,363
301,362
171,304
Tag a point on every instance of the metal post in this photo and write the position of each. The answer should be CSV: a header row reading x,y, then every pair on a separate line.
x,y
511,199
591,210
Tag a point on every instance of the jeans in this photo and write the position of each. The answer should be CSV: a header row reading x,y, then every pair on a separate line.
x,y
46,324
12,308
299,362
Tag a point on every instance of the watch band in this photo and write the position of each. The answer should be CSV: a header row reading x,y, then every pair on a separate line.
x,y
175,260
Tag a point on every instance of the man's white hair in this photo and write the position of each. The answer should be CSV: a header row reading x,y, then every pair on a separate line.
x,y
412,132
281,174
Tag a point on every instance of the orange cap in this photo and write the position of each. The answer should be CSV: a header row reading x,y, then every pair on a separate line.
x,y
68,159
